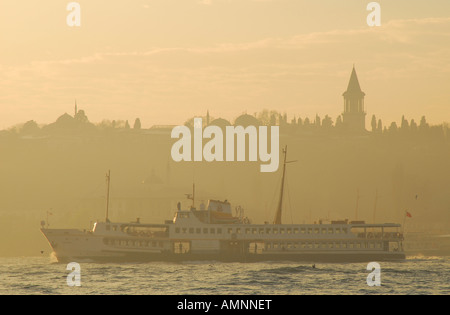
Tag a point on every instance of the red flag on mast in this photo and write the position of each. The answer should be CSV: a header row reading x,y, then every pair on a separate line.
x,y
408,214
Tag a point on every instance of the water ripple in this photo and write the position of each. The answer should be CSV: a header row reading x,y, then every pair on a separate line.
x,y
39,275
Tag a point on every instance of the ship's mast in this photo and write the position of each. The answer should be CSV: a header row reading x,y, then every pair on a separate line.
x,y
277,219
375,205
192,196
357,204
108,179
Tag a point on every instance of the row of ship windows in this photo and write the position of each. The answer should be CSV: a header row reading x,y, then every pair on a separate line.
x,y
262,230
325,245
117,242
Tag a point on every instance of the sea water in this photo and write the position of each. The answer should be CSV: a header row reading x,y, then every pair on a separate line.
x,y
42,275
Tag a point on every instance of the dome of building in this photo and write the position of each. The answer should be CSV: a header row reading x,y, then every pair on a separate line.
x,y
64,121
246,120
220,122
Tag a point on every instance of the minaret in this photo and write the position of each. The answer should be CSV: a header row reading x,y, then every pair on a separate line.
x,y
354,114
76,108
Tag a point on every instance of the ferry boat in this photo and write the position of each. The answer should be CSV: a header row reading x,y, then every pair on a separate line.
x,y
213,233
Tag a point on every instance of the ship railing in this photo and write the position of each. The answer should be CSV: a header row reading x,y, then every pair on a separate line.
x,y
381,236
148,234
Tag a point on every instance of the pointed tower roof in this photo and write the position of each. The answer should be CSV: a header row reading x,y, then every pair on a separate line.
x,y
353,85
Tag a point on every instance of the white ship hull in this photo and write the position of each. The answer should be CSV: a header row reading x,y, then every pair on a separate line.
x,y
187,238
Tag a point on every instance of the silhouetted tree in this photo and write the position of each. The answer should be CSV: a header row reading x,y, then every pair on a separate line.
x,y
423,124
137,124
81,117
405,124
127,125
273,119
393,127
446,128
30,127
105,124
339,122
327,122
306,122
374,123
413,126
282,119
264,117
294,121
380,126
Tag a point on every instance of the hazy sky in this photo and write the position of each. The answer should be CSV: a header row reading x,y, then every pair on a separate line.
x,y
167,60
